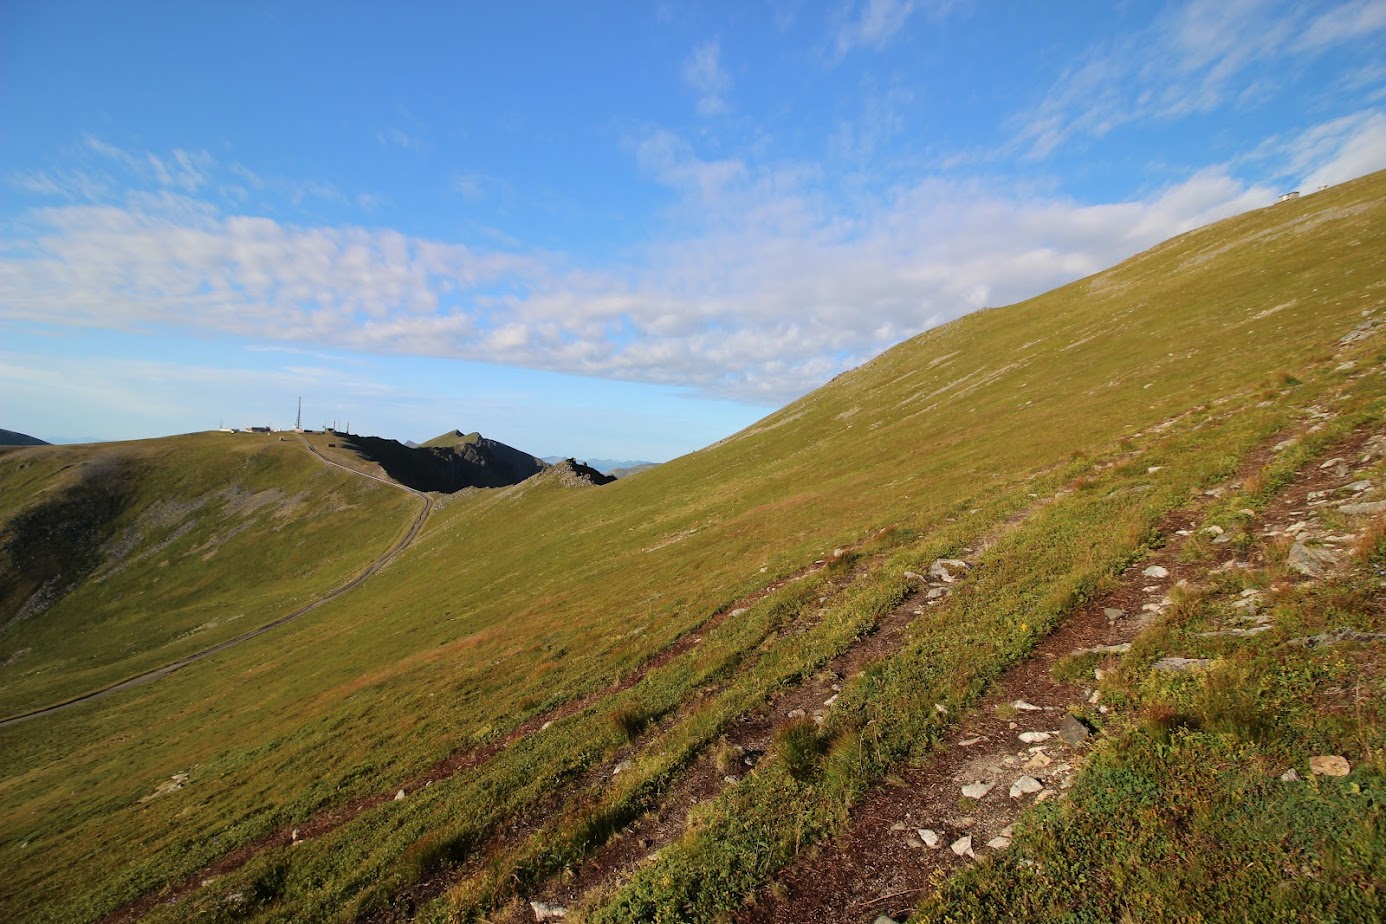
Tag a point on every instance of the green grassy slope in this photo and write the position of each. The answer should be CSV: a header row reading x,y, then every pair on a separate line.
x,y
453,438
180,542
517,600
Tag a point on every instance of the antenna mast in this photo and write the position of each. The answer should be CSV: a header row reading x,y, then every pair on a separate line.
x,y
298,422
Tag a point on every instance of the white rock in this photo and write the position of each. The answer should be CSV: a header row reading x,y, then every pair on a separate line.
x,y
977,790
1180,665
1035,737
543,911
1368,509
1290,776
969,742
1024,706
1158,572
1025,786
940,709
999,843
930,838
399,796
962,846
1311,561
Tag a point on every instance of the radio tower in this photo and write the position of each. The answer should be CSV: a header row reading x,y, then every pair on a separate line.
x,y
298,421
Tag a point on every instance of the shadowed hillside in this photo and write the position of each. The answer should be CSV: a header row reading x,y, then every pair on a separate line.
x,y
49,548
120,557
646,701
11,438
449,462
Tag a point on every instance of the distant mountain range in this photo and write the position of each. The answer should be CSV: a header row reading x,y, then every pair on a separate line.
x,y
618,467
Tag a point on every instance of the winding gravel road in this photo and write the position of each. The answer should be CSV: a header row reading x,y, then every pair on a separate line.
x,y
150,676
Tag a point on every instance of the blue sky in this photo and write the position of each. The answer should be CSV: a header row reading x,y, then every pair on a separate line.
x,y
604,229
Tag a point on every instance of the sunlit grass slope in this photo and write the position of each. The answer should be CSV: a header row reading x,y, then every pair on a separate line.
x,y
517,600
179,543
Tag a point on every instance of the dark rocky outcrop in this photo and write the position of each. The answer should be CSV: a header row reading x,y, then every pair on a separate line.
x,y
470,461
577,474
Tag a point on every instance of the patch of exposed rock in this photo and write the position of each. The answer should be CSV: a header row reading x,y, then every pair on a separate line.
x,y
574,474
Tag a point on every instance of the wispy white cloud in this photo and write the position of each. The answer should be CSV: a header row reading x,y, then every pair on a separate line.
x,y
704,74
882,119
74,185
1193,58
184,170
102,170
474,186
1344,22
399,138
874,23
766,287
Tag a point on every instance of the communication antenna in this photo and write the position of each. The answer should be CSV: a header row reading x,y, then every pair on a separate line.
x,y
298,421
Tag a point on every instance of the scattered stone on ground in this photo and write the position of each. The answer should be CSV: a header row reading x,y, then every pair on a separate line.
x,y
543,911
1073,731
962,846
1119,648
1181,665
171,785
1329,765
1335,636
1023,706
1310,561
1159,572
977,790
1290,776
1026,785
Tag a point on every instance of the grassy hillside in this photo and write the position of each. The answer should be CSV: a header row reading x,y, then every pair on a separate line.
x,y
1044,440
122,557
452,439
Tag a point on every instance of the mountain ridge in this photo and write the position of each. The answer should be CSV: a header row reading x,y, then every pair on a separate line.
x,y
15,438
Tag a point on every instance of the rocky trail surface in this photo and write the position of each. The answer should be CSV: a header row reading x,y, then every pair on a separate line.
x,y
1023,744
